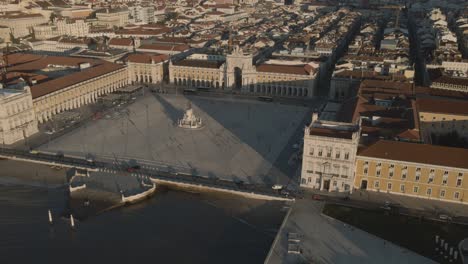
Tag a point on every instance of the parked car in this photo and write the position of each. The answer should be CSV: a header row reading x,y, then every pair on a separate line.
x,y
445,217
277,187
317,197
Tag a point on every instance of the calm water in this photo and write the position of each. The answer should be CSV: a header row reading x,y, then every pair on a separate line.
x,y
171,227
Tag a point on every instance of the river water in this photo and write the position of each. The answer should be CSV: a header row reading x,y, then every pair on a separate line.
x,y
171,227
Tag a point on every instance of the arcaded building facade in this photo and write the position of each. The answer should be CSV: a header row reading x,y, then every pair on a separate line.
x,y
17,117
64,83
146,68
237,72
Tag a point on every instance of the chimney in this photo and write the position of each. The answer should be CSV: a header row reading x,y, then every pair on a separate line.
x,y
314,117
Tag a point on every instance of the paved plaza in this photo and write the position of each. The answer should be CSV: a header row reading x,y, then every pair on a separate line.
x,y
322,239
241,139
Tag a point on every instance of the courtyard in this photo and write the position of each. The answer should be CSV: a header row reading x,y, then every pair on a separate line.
x,y
245,140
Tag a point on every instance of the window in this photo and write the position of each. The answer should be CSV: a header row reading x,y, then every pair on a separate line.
x,y
431,176
311,151
366,170
429,191
335,183
417,177
389,186
445,178
346,156
415,189
402,188
442,193
317,181
376,184
309,179
377,173
390,173
456,195
404,172
320,153
337,155
459,179
328,153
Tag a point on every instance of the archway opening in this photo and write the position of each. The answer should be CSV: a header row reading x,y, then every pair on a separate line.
x,y
237,78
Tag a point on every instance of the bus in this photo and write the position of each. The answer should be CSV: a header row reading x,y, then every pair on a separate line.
x,y
265,98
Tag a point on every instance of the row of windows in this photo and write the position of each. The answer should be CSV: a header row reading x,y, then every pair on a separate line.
x,y
18,107
416,190
404,173
327,152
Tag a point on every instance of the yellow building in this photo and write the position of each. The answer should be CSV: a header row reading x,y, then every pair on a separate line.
x,y
146,68
196,73
411,169
439,116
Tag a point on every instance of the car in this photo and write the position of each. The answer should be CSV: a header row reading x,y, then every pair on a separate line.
x,y
89,158
277,187
33,151
445,217
317,197
239,182
50,132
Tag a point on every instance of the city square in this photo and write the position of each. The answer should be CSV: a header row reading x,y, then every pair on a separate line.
x,y
235,141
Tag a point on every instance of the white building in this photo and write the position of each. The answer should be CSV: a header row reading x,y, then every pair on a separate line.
x,y
20,23
17,116
329,155
63,27
113,17
142,14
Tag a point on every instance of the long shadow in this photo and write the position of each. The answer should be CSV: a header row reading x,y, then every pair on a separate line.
x,y
247,114
172,112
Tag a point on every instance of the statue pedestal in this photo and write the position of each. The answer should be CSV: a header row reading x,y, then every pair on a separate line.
x,y
190,120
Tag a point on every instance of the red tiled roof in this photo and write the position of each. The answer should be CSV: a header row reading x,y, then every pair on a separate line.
x,y
121,42
68,80
418,153
328,132
165,47
147,58
287,69
443,106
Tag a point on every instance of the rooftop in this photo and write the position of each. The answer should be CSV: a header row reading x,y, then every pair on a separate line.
x,y
442,106
417,153
199,63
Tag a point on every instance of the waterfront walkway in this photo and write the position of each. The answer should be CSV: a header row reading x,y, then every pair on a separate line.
x,y
321,239
157,174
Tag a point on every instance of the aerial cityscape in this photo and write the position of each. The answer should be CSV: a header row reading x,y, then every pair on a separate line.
x,y
234,131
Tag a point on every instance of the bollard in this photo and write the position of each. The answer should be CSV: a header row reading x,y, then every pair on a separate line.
x,y
441,243
455,255
50,217
451,251
446,246
437,239
72,221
